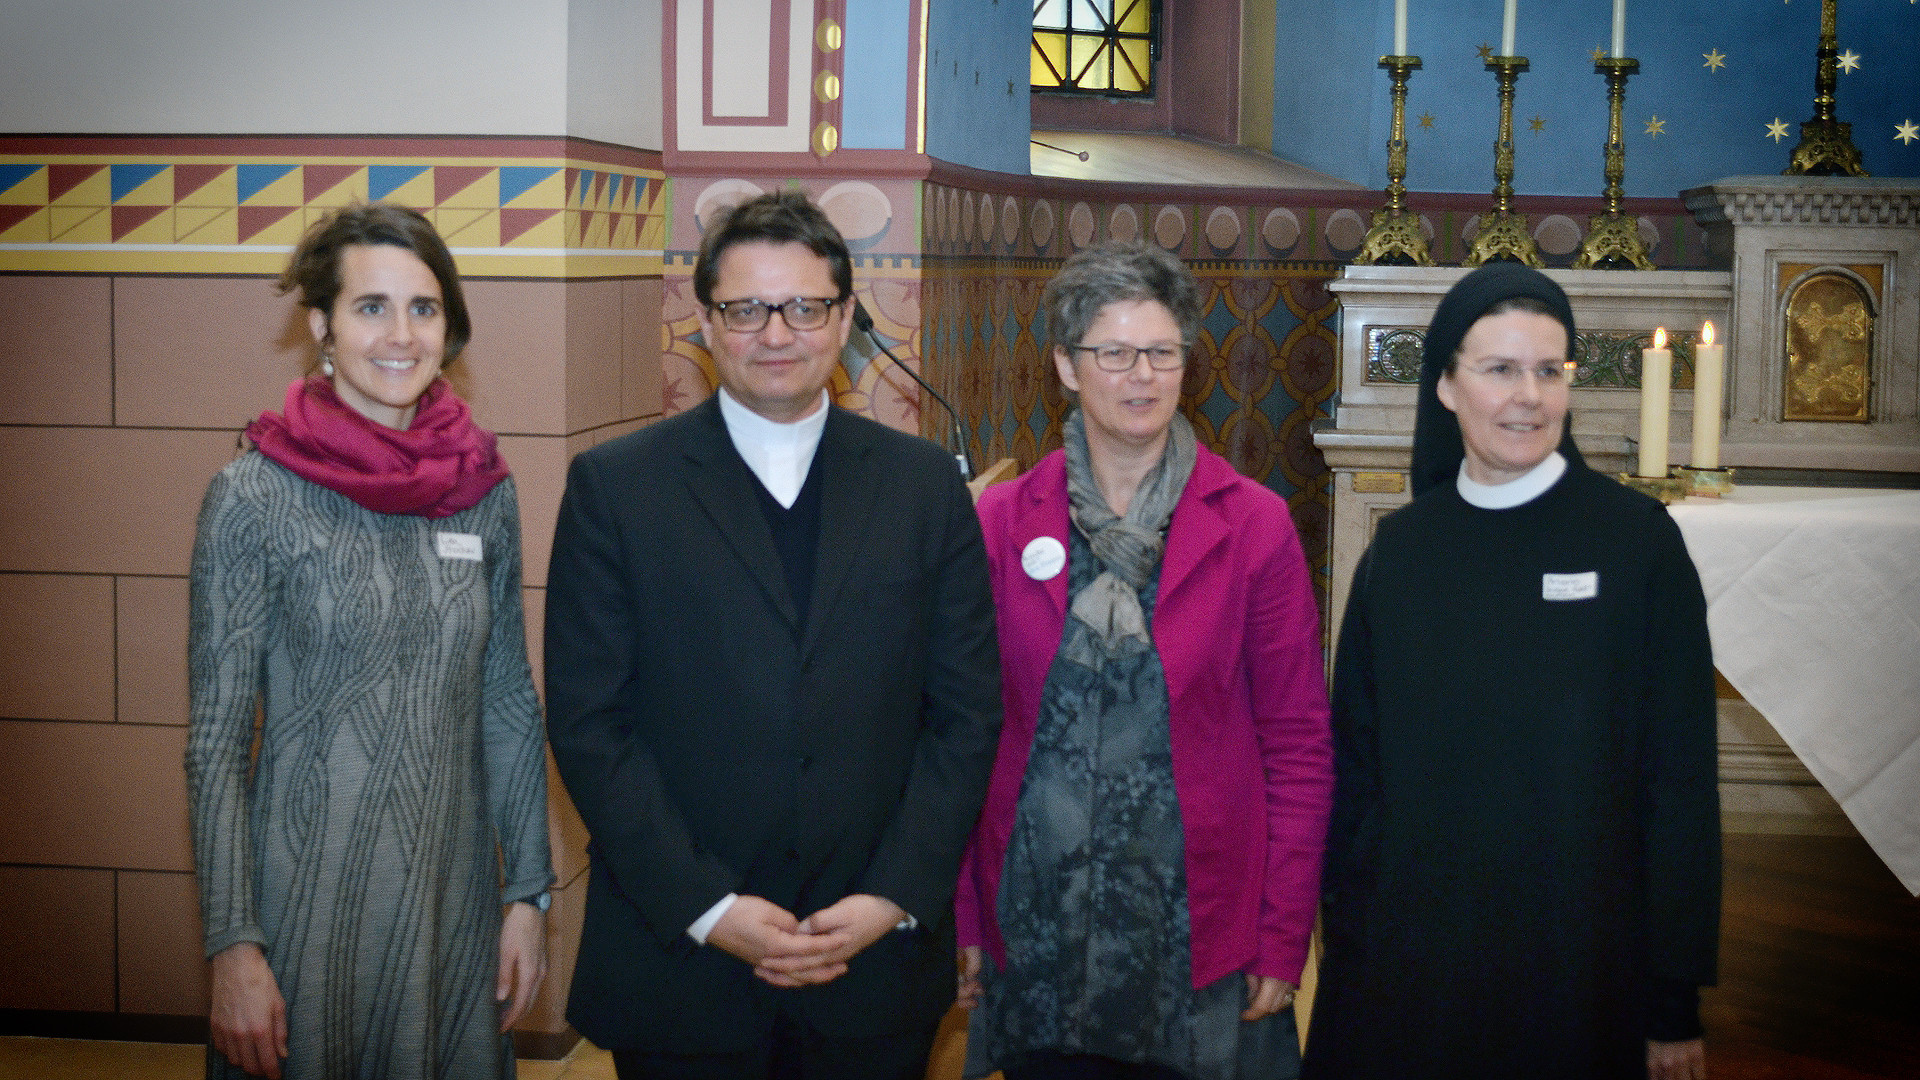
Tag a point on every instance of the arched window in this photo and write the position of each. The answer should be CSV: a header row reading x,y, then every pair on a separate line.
x,y
1101,47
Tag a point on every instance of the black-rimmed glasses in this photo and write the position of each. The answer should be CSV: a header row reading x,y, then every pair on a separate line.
x,y
750,316
1119,358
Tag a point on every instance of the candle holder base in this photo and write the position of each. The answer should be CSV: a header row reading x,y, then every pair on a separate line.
x,y
1712,483
1613,243
1668,489
1503,237
1395,239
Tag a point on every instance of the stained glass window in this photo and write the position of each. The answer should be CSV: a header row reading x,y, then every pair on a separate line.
x,y
1094,46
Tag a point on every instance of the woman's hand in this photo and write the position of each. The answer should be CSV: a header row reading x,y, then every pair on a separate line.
x,y
248,1018
1684,1060
970,963
523,961
1266,995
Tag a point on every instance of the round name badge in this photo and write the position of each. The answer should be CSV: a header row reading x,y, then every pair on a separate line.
x,y
1044,558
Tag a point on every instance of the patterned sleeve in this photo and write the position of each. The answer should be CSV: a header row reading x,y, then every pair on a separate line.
x,y
511,729
231,617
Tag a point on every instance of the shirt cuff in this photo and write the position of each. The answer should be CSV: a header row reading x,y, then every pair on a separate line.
x,y
704,925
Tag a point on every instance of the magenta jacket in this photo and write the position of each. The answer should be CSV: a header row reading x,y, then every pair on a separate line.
x,y
1239,637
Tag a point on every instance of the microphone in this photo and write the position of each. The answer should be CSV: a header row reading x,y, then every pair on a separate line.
x,y
864,323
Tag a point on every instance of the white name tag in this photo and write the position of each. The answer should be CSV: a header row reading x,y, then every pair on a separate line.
x,y
457,546
1570,586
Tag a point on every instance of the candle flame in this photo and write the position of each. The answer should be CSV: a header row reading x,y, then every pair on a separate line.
x,y
1660,338
1706,332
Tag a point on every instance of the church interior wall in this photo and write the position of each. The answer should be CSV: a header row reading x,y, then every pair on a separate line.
x,y
1331,110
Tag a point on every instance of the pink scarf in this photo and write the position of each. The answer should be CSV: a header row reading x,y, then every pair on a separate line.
x,y
440,466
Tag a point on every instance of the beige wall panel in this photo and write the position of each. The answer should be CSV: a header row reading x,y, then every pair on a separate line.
x,y
534,605
93,795
641,378
564,918
595,353
567,833
162,969
152,634
540,473
56,647
203,352
57,363
516,364
102,500
56,938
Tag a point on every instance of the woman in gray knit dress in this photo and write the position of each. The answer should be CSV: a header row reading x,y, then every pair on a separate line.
x,y
373,877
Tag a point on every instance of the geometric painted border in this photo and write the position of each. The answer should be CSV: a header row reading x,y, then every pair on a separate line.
x,y
553,214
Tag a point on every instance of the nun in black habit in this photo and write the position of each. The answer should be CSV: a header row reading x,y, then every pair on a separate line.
x,y
1523,872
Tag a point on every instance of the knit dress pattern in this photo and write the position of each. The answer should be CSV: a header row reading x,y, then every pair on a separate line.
x,y
398,793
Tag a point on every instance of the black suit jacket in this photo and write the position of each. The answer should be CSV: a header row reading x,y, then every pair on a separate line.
x,y
712,745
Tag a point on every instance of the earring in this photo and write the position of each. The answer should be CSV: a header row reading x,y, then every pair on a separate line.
x,y
326,362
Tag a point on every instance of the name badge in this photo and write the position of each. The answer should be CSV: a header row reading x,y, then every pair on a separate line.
x,y
1570,586
1044,558
457,546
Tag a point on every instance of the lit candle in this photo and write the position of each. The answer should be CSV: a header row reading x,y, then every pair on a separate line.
x,y
1619,28
1709,370
1656,381
1506,28
1399,27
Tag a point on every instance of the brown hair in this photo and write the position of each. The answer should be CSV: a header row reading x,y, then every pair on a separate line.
x,y
783,217
314,270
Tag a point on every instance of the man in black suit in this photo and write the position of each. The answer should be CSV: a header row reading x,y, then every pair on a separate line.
x,y
773,692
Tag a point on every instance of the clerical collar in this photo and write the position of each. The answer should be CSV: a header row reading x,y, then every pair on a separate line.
x,y
1515,492
779,454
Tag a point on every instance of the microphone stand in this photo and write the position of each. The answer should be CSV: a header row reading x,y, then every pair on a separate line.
x,y
864,323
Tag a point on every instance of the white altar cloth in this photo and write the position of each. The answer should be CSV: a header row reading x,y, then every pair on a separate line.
x,y
1813,603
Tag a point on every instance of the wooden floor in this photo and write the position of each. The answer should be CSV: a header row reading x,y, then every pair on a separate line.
x,y
1819,980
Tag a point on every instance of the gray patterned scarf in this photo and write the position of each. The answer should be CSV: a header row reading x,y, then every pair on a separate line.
x,y
1129,548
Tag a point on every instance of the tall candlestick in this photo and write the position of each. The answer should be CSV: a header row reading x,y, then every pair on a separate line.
x,y
1619,28
1506,28
1656,382
1400,27
1709,369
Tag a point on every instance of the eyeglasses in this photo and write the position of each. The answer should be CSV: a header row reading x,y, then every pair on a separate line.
x,y
750,316
1552,373
1119,358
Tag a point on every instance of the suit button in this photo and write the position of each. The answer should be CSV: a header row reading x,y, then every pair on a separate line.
x,y
793,853
806,761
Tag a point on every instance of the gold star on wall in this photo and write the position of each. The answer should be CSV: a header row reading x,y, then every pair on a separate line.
x,y
1485,51
1715,60
1599,53
1539,124
1426,120
1849,61
1906,132
1777,130
1656,127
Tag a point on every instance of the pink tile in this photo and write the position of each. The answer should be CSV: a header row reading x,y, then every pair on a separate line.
x,y
162,969
93,795
56,647
151,629
640,376
516,363
104,500
594,354
57,364
56,938
203,352
539,467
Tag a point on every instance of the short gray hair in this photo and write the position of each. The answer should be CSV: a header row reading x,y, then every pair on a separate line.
x,y
1099,275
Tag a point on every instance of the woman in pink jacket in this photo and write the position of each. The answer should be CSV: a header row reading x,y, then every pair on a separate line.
x,y
1138,896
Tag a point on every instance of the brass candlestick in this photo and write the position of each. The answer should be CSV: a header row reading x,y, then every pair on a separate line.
x,y
1503,233
1613,238
1826,145
1395,238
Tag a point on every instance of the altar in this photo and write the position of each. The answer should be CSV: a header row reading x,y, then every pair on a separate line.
x,y
1813,602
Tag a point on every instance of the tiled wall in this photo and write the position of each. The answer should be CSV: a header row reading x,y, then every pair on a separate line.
x,y
121,394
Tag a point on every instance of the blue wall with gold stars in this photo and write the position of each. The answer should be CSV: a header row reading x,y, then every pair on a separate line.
x,y
1715,76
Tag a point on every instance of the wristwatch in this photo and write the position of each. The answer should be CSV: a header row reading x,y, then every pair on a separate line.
x,y
541,901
